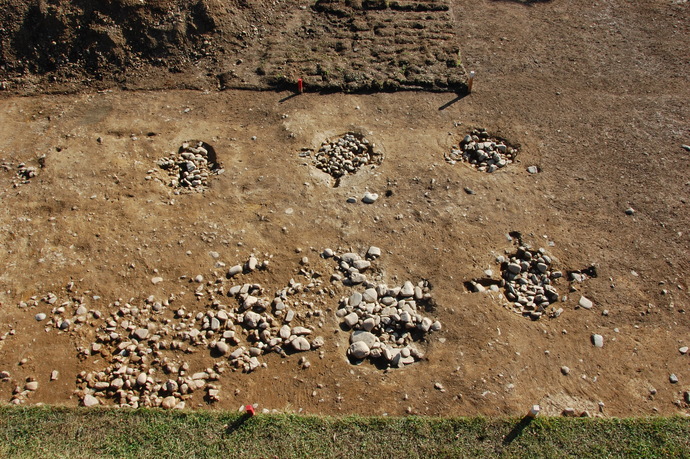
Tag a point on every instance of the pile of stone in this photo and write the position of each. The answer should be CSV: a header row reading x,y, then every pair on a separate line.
x,y
346,155
484,153
191,168
527,278
385,321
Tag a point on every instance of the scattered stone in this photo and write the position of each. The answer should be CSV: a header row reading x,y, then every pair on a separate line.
x,y
439,387
565,370
585,303
597,340
40,316
685,147
370,198
54,375
683,350
533,169
673,378
31,385
629,211
156,280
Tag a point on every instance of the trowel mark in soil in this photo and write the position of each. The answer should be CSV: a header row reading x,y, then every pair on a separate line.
x,y
483,152
346,155
191,168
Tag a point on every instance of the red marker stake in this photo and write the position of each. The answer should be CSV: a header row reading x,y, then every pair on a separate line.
x,y
249,409
300,87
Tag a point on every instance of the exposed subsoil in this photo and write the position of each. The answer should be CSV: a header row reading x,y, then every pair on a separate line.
x,y
592,93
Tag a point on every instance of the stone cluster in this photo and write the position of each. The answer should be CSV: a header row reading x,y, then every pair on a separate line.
x,y
191,168
24,174
483,152
527,278
346,155
385,321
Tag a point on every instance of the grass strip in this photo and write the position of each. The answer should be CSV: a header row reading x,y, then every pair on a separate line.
x,y
80,432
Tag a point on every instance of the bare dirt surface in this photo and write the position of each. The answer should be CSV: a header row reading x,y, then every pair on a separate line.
x,y
595,94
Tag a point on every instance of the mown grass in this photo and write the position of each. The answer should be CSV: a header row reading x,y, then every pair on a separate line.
x,y
65,432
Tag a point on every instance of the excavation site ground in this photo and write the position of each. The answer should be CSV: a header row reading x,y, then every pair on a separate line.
x,y
383,243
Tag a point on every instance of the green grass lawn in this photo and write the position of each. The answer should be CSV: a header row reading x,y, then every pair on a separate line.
x,y
62,432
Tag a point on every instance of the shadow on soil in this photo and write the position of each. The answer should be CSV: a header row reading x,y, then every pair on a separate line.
x,y
457,99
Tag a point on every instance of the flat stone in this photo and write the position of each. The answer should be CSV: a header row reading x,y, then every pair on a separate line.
x,y
533,169
31,385
300,344
369,324
169,403
251,319
514,268
359,350
683,350
585,303
369,338
89,400
234,270
355,299
156,280
370,198
370,295
373,252
141,333
40,316
301,331
285,332
141,378
597,340
81,310
351,319
407,289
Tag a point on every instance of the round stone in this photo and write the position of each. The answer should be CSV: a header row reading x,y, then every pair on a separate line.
x,y
359,350
301,344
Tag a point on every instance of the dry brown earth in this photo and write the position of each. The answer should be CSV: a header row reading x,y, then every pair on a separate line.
x,y
596,95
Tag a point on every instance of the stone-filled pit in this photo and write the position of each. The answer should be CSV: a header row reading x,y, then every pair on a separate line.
x,y
346,155
191,167
385,321
484,152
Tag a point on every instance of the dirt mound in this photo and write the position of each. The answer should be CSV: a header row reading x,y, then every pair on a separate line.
x,y
117,40
56,45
